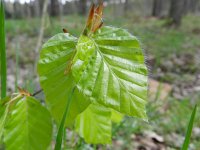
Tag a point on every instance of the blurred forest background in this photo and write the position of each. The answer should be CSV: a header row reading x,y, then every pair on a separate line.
x,y
169,31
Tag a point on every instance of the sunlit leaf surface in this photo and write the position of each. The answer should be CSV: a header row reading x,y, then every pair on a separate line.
x,y
55,57
29,126
94,124
109,68
108,72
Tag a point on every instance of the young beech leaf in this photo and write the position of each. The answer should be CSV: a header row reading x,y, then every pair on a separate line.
x,y
55,59
29,126
6,106
94,124
4,109
106,66
109,68
116,117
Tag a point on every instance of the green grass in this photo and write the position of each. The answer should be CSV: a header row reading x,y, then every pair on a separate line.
x,y
189,130
2,52
61,129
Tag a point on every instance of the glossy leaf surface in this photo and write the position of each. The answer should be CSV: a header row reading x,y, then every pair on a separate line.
x,y
54,60
109,68
29,126
94,124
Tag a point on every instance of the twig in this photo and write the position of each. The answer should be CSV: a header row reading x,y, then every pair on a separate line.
x,y
44,13
41,34
37,92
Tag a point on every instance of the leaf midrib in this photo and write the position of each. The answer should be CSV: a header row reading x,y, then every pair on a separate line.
x,y
98,50
121,85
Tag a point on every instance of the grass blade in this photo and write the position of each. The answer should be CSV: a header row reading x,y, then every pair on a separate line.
x,y
60,133
2,51
189,130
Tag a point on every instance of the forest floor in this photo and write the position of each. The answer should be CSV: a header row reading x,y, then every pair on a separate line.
x,y
172,56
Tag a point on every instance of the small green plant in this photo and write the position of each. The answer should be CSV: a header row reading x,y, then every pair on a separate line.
x,y
88,82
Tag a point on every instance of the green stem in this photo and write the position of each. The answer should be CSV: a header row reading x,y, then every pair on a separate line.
x,y
60,133
95,147
2,51
16,65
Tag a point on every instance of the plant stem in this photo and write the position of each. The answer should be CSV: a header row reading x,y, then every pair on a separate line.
x,y
37,92
60,133
94,147
16,64
2,51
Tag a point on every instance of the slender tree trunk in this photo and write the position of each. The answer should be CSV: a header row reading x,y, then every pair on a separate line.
x,y
176,11
17,9
157,8
40,38
41,4
54,10
126,7
60,9
192,5
82,9
41,34
27,10
36,8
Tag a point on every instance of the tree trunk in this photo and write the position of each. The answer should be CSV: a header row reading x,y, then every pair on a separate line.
x,y
126,7
27,10
41,3
54,10
176,11
157,8
36,8
17,9
41,33
82,7
192,5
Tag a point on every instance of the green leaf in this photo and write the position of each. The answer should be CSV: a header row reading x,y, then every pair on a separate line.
x,y
94,124
189,130
3,115
6,105
55,58
29,126
3,106
116,117
109,68
3,69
